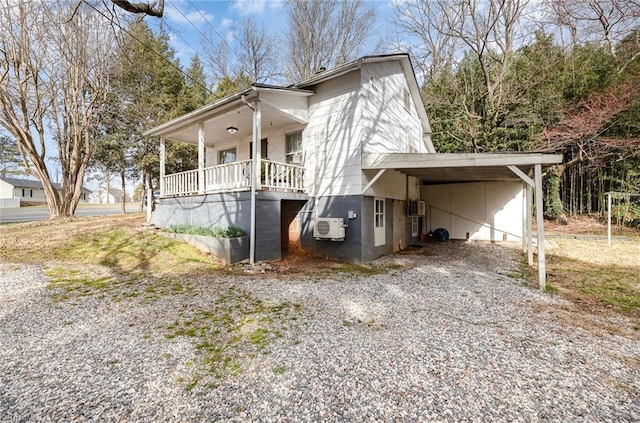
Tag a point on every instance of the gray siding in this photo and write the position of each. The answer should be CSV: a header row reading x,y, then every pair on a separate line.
x,y
230,209
369,250
336,206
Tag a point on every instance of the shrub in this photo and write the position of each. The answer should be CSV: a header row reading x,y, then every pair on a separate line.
x,y
214,231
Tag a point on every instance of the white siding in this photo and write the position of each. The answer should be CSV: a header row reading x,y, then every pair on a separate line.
x,y
331,140
484,210
6,190
387,126
392,184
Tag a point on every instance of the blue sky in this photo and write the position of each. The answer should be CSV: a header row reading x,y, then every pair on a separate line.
x,y
185,20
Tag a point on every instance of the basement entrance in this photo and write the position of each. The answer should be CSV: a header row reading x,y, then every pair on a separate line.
x,y
290,226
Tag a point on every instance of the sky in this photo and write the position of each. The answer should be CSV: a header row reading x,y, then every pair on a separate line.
x,y
186,20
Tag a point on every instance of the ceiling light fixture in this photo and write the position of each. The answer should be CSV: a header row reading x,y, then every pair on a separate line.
x,y
232,130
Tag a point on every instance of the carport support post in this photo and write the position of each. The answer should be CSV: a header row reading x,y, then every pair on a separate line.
x,y
542,277
529,225
201,185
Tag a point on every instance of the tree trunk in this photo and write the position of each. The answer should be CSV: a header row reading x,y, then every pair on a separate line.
x,y
124,193
553,204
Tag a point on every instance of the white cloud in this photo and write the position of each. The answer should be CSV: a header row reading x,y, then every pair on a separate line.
x,y
276,4
249,7
226,23
184,17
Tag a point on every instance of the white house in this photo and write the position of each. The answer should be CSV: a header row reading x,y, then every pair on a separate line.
x,y
340,164
110,196
15,192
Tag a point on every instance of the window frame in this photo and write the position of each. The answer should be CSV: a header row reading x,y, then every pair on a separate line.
x,y
221,155
289,154
379,221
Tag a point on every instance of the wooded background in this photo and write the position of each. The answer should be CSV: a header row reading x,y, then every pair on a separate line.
x,y
497,75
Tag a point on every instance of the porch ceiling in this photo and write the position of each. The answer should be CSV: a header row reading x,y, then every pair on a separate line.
x,y
448,168
280,106
215,128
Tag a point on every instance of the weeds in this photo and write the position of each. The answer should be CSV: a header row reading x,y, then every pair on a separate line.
x,y
213,231
238,327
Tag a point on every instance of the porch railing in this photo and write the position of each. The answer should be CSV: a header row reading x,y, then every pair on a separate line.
x,y
183,183
235,176
282,176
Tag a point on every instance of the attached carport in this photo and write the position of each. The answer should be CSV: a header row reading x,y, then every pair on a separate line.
x,y
443,168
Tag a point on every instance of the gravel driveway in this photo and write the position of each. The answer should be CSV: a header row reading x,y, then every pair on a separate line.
x,y
449,337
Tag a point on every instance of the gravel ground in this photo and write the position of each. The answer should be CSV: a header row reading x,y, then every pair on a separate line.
x,y
449,337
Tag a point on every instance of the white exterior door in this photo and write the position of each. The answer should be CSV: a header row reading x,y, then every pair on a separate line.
x,y
378,222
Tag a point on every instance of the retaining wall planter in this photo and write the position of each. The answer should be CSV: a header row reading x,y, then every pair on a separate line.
x,y
230,250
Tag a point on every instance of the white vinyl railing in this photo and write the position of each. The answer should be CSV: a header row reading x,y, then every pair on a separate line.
x,y
183,183
282,176
235,176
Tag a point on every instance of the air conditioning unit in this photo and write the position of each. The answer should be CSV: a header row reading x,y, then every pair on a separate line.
x,y
422,208
331,228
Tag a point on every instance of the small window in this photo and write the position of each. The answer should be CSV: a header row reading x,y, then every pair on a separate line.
x,y
379,237
407,100
26,192
294,148
227,156
263,149
414,226
379,214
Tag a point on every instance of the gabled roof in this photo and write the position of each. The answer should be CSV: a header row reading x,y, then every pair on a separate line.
x,y
32,184
407,68
299,89
112,191
27,183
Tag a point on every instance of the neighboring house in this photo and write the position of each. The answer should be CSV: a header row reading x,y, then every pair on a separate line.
x,y
113,196
16,192
347,168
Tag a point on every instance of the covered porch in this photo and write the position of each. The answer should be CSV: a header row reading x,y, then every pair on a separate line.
x,y
250,141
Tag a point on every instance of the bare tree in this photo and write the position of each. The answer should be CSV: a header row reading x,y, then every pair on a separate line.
x,y
602,21
486,31
53,75
251,52
434,47
325,33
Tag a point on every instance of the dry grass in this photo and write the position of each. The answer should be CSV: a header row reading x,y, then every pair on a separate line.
x,y
117,242
596,277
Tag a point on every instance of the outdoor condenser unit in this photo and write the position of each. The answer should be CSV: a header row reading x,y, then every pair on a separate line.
x,y
331,228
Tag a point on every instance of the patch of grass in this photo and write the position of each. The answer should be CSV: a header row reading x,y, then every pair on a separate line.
x,y
607,286
117,242
237,328
278,370
360,269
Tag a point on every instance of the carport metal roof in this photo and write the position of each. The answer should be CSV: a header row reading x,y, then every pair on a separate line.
x,y
437,168
440,168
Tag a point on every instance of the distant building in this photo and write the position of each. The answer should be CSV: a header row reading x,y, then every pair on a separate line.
x,y
113,196
15,192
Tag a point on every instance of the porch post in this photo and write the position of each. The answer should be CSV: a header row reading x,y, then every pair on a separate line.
x,y
255,181
201,185
163,159
542,277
